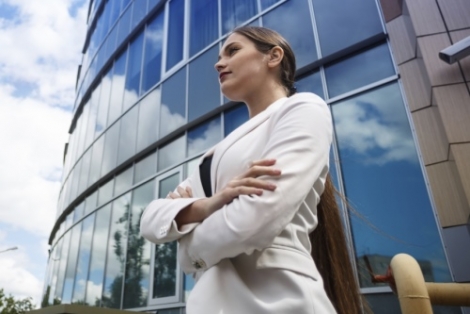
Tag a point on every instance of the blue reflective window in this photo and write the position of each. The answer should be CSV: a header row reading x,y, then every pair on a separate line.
x,y
102,117
128,133
71,264
359,70
172,153
103,27
110,45
204,24
137,283
153,53
301,39
97,155
134,66
267,3
90,133
384,182
117,88
98,257
139,10
117,248
235,117
235,12
115,11
173,106
341,24
147,126
124,26
311,83
204,94
204,136
110,149
175,33
83,260
124,4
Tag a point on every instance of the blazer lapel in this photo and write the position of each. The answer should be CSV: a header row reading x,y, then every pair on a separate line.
x,y
236,135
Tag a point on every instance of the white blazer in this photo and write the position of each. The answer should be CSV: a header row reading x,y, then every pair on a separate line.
x,y
253,255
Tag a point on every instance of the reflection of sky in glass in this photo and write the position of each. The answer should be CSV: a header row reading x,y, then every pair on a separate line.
x,y
128,133
344,23
204,24
85,169
146,167
105,192
173,108
147,126
235,12
384,182
175,33
267,3
117,88
286,19
234,118
359,70
62,266
71,264
134,66
204,90
139,9
310,83
98,256
204,137
123,181
97,155
110,148
56,260
172,153
101,118
153,52
83,259
90,202
124,26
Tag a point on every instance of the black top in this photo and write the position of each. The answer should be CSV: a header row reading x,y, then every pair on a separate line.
x,y
205,174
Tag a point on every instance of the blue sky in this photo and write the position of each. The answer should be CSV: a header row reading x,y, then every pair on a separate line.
x,y
41,44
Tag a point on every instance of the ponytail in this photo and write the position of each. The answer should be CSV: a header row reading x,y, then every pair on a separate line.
x,y
330,253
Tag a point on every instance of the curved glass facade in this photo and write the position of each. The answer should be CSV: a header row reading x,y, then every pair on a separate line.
x,y
148,105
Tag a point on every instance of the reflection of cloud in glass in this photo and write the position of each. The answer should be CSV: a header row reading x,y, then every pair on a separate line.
x,y
101,118
93,292
369,126
154,37
169,121
236,12
200,141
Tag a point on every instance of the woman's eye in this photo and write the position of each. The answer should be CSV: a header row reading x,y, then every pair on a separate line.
x,y
231,51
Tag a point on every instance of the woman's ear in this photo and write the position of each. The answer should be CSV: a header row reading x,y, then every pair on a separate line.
x,y
275,56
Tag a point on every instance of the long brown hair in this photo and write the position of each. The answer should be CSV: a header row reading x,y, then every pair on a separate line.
x,y
329,246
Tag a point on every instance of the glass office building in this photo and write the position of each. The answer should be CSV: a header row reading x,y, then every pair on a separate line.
x,y
148,105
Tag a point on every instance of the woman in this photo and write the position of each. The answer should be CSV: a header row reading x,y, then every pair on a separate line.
x,y
244,219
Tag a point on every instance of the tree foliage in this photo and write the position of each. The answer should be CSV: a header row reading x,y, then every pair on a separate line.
x,y
10,305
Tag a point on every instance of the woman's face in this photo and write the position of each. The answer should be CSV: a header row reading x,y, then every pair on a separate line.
x,y
242,68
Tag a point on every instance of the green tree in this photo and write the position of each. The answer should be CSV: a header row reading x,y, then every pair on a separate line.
x,y
10,305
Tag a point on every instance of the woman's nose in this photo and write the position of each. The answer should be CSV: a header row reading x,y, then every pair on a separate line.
x,y
219,65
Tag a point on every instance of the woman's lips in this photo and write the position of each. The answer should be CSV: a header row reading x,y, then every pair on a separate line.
x,y
222,75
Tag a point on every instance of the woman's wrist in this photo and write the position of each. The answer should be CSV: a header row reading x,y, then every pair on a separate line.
x,y
195,212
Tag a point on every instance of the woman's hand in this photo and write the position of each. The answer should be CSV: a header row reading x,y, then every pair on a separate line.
x,y
248,183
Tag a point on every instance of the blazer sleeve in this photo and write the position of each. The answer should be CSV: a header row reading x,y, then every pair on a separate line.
x,y
157,223
300,140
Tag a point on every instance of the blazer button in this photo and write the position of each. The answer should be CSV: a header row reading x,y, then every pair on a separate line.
x,y
199,264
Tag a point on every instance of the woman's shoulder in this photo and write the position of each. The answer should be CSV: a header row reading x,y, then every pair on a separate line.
x,y
304,102
306,97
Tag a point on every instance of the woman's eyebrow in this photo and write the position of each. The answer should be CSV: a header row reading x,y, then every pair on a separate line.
x,y
226,48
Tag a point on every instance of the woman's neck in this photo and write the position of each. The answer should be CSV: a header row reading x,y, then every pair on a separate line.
x,y
262,100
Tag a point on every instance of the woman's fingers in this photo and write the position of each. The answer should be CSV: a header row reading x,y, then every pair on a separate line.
x,y
252,182
172,195
263,162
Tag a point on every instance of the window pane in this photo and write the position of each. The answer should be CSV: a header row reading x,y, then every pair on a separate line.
x,y
90,133
311,83
116,9
71,264
341,24
131,93
110,149
117,247
137,282
78,212
164,273
301,39
55,272
101,119
83,260
96,159
204,137
204,24
105,193
62,266
153,53
149,112
123,181
267,3
127,139
384,182
90,202
235,12
98,256
235,117
171,154
117,88
83,126
173,110
124,26
145,167
175,33
359,70
138,12
85,169
204,94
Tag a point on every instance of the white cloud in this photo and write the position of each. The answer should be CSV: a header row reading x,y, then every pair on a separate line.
x,y
40,51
